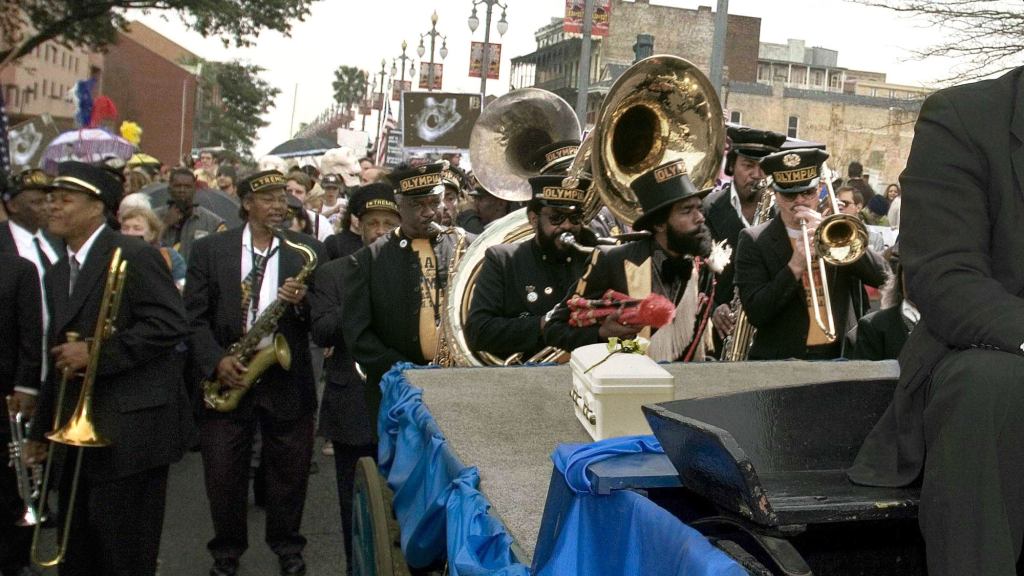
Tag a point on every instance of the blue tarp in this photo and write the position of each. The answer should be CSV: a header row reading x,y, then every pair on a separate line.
x,y
620,533
439,507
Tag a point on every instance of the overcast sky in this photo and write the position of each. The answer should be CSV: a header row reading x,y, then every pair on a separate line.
x,y
362,33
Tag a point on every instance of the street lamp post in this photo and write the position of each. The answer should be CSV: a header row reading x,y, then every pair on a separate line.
x,y
485,58
380,113
421,50
394,70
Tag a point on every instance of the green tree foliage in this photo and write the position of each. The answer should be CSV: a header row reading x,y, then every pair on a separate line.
x,y
349,86
232,104
25,24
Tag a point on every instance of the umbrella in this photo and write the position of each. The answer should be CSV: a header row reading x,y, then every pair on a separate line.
x,y
314,146
141,159
213,200
86,145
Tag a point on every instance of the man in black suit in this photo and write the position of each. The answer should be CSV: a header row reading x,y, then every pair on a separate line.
x,y
233,277
345,419
394,288
138,400
20,360
733,207
882,333
519,283
676,261
954,424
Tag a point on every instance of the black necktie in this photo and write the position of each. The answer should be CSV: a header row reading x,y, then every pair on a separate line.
x,y
72,274
42,253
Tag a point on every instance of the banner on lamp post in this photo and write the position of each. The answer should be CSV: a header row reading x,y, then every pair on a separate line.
x,y
398,87
433,121
425,75
573,23
476,53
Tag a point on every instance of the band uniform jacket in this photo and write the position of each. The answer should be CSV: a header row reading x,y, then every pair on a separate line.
x,y
774,299
139,399
344,414
517,285
961,248
721,218
213,297
383,295
21,330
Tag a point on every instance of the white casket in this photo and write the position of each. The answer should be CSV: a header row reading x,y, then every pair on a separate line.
x,y
608,398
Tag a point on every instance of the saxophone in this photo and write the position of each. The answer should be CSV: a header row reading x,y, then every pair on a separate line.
x,y
256,360
736,346
443,353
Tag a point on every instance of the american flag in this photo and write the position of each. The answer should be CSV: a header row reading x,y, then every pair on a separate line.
x,y
384,128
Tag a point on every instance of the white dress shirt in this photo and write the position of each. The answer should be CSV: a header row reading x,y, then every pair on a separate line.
x,y
734,198
25,242
268,289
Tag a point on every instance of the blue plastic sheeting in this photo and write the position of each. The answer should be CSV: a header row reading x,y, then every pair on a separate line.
x,y
440,509
620,533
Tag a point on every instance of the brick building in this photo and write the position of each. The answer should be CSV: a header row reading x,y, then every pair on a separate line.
x,y
39,82
145,77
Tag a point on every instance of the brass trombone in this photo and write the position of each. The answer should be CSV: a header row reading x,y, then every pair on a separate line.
x,y
79,430
839,240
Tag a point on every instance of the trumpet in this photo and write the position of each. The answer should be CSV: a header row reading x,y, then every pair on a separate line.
x,y
79,430
839,240
28,478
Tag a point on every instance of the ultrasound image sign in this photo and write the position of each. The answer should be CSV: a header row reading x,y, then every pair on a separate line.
x,y
438,120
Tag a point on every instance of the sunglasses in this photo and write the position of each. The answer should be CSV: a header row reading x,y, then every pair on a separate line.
x,y
557,218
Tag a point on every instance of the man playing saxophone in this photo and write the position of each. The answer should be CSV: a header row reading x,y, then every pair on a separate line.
x,y
138,404
234,278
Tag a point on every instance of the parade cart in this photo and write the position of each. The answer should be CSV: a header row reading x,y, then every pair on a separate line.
x,y
488,471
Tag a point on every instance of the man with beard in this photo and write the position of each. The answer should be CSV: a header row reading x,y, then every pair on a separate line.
x,y
184,220
673,262
771,268
345,419
733,207
519,283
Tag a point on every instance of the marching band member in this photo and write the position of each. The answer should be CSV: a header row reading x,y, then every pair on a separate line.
x,y
233,277
519,283
138,402
772,274
345,419
732,207
676,261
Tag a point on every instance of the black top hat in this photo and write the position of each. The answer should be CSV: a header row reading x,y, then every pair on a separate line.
x,y
754,143
560,191
265,181
421,180
27,179
661,187
88,179
794,171
554,157
376,196
331,181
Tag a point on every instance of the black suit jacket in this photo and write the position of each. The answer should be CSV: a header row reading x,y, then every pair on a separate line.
x,y
775,301
880,335
502,318
721,218
21,328
139,400
213,296
961,249
342,244
7,245
344,414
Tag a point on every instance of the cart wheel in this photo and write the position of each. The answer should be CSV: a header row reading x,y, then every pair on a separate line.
x,y
375,548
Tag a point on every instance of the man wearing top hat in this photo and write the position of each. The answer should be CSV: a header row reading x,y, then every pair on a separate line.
x,y
733,206
139,401
345,419
233,277
676,261
395,288
519,283
772,274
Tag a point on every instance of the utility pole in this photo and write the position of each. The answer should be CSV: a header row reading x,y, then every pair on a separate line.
x,y
718,45
583,78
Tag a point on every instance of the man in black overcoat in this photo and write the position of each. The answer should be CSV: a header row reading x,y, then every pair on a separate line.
x,y
233,278
139,402
519,283
20,361
345,419
955,421
772,273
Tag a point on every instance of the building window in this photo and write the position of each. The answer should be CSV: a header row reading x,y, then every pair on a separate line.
x,y
794,127
764,73
818,78
46,85
736,117
799,76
